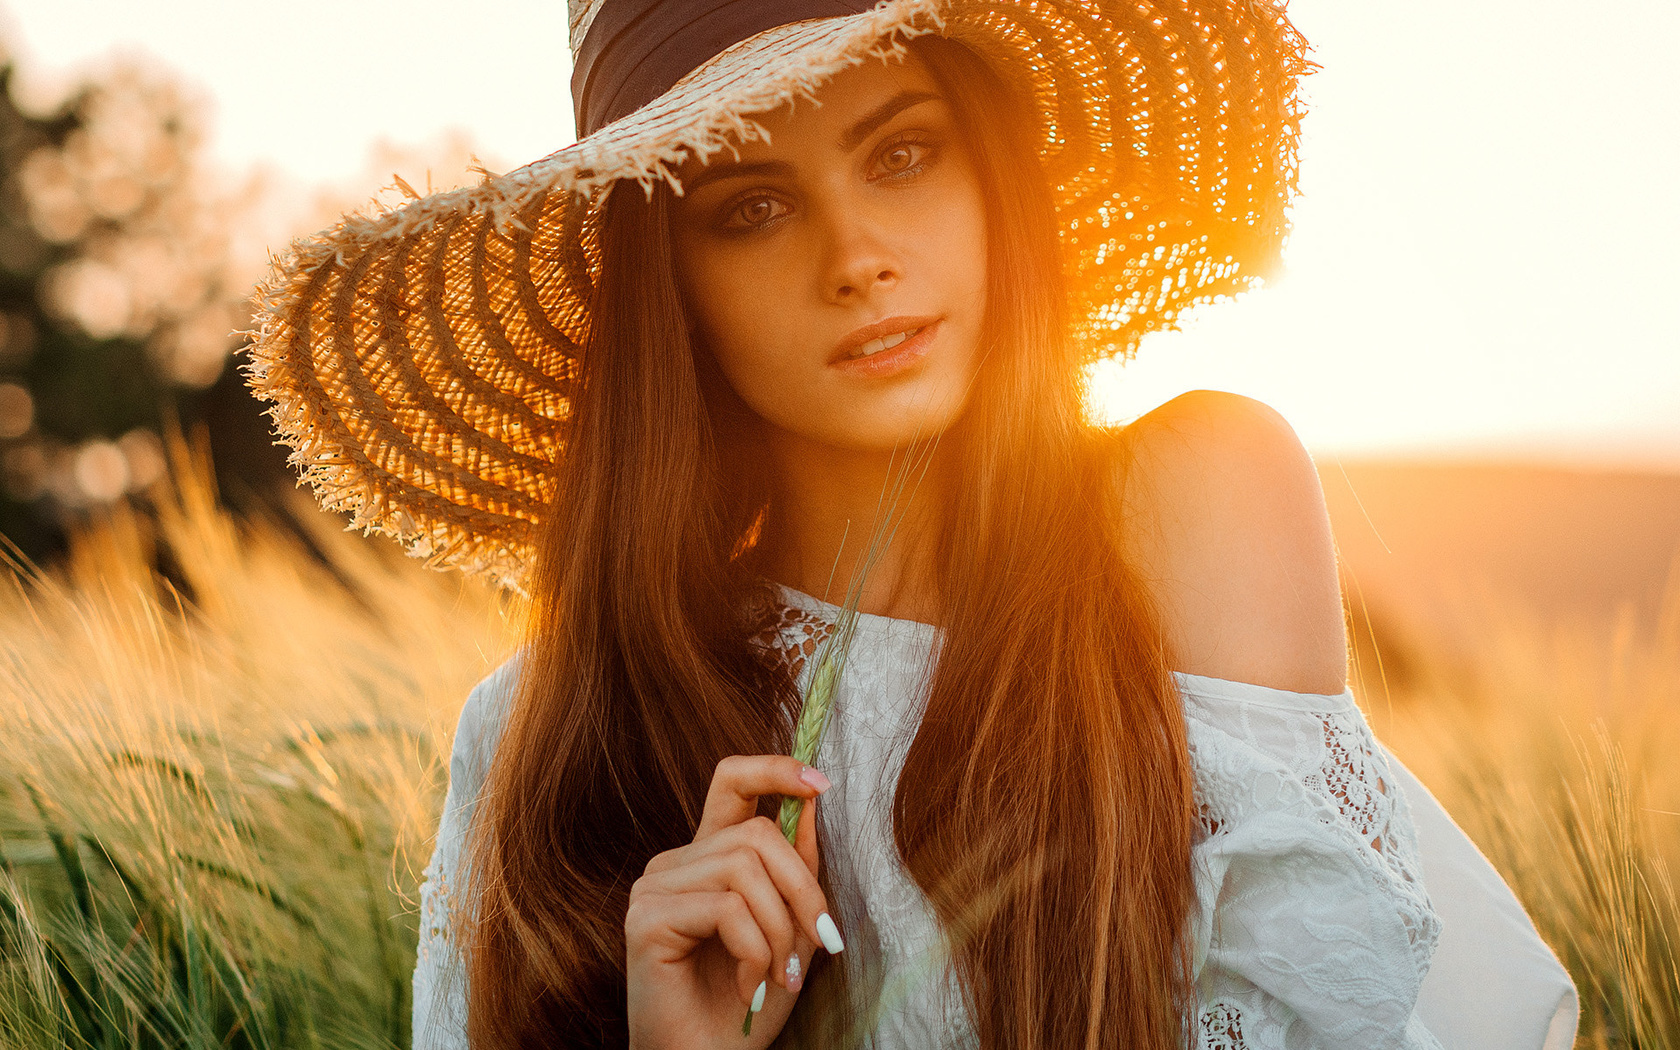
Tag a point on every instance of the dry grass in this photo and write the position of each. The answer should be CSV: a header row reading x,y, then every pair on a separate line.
x,y
1557,748
224,752
217,788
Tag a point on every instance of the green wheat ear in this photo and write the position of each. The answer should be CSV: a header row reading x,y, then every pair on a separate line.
x,y
813,720
831,659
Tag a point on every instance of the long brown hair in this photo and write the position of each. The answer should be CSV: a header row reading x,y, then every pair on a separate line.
x,y
1045,804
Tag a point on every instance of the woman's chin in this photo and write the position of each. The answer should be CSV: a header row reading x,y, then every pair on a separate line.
x,y
895,431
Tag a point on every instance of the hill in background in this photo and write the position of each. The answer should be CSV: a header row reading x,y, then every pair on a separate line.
x,y
1440,548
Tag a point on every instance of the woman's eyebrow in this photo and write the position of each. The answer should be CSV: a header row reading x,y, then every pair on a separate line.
x,y
887,110
713,172
849,140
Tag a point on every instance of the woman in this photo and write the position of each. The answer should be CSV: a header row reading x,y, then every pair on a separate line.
x,y
667,379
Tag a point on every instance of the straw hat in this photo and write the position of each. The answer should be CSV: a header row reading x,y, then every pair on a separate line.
x,y
420,361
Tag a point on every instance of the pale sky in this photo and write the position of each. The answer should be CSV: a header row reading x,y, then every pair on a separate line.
x,y
1486,253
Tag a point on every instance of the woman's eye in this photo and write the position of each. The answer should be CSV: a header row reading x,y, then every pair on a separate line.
x,y
754,213
901,158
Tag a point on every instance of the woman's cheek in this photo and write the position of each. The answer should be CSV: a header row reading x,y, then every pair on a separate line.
x,y
745,337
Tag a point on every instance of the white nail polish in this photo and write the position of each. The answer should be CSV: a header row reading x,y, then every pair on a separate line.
x,y
758,997
830,934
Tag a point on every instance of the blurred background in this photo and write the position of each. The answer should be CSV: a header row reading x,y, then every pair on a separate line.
x,y
1475,335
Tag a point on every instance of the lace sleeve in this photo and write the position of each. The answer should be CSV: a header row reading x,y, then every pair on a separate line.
x,y
1314,930
440,978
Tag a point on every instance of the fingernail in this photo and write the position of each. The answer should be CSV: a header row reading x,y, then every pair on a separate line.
x,y
814,778
830,934
793,978
758,997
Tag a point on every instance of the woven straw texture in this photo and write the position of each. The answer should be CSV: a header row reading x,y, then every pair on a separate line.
x,y
419,361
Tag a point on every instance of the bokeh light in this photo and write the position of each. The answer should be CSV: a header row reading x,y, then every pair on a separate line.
x,y
17,410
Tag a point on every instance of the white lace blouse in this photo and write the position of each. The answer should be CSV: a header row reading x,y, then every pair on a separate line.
x,y
1313,927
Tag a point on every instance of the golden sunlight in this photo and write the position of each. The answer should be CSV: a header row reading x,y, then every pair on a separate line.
x,y
1482,245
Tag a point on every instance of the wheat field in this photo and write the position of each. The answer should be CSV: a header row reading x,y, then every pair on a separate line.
x,y
219,780
226,745
1557,749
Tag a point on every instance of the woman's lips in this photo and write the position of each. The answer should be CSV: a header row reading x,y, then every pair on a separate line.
x,y
890,360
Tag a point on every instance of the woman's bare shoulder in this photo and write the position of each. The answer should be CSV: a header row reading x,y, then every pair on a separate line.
x,y
1224,518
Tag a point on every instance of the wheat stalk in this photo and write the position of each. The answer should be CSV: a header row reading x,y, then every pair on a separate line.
x,y
818,701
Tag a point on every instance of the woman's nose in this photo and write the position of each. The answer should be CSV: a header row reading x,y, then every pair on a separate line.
x,y
862,263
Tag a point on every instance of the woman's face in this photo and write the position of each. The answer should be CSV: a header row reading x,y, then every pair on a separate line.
x,y
838,271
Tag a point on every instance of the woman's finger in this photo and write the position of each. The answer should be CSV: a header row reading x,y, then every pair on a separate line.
x,y
805,837
739,870
794,875
740,780
753,859
680,922
805,841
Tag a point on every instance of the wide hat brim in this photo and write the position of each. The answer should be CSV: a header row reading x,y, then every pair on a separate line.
x,y
420,362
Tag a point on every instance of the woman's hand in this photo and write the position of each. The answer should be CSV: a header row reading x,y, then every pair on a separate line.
x,y
713,923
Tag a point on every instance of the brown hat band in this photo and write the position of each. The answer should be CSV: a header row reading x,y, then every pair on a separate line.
x,y
635,50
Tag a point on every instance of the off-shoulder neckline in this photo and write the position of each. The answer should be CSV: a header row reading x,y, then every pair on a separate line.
x,y
829,611
1226,689
1200,686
